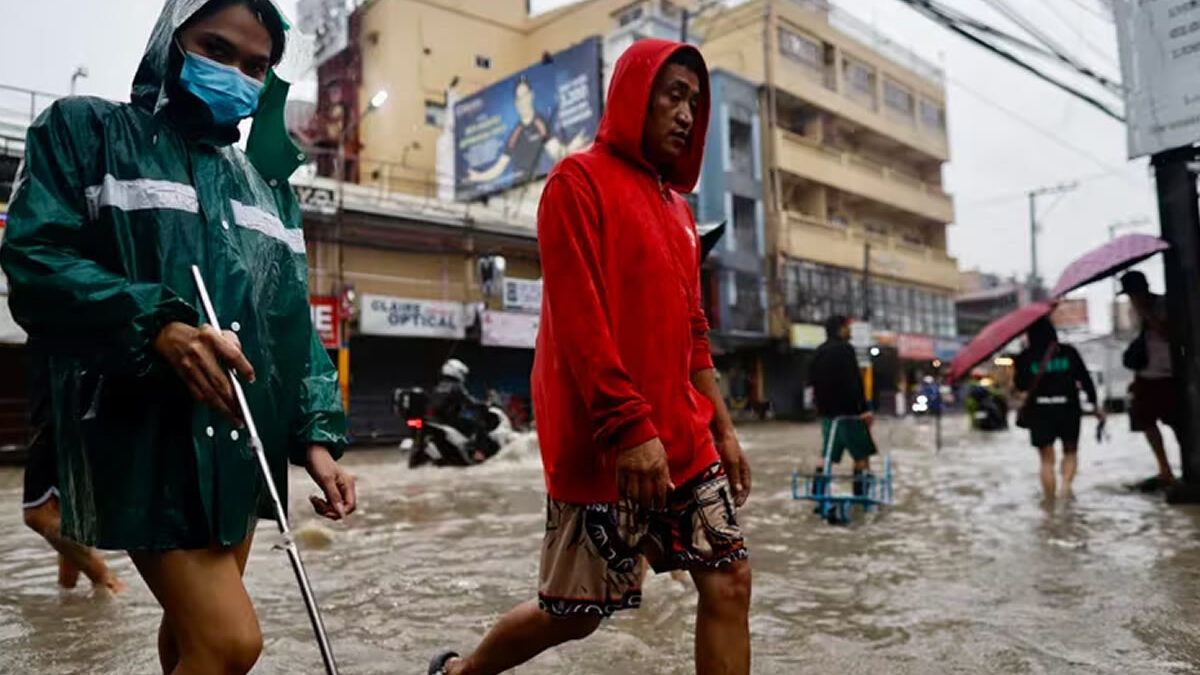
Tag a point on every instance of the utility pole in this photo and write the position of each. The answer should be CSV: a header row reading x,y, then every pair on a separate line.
x,y
1035,286
1175,173
866,282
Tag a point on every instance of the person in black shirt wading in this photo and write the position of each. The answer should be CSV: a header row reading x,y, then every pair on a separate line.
x,y
1052,374
838,392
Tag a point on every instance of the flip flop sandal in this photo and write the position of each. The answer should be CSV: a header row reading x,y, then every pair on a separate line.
x,y
438,665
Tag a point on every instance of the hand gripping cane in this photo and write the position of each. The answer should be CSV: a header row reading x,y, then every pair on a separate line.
x,y
289,543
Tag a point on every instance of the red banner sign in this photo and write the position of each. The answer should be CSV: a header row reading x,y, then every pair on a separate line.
x,y
325,320
916,347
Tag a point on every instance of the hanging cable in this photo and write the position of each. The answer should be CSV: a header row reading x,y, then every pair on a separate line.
x,y
930,10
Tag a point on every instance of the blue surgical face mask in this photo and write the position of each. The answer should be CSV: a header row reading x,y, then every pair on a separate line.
x,y
230,94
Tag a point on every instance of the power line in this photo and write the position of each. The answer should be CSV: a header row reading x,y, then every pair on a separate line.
x,y
1057,50
1040,130
934,12
1100,14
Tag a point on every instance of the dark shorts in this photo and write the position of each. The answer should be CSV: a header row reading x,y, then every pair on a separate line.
x,y
851,435
1152,401
594,556
41,468
1045,429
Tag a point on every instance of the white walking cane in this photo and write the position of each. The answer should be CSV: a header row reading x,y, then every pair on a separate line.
x,y
289,543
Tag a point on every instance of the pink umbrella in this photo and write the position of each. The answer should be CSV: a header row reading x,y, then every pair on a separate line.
x,y
1102,261
995,335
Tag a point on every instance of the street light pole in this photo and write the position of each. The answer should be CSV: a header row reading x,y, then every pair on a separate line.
x,y
79,72
343,364
1035,286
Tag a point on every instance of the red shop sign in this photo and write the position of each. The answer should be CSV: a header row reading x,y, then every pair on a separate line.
x,y
325,320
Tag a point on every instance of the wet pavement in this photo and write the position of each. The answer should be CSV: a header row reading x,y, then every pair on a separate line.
x,y
967,573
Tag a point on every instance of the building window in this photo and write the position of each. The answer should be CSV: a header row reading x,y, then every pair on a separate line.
x,y
745,225
933,116
898,98
746,311
860,81
629,16
669,9
484,62
435,114
814,55
877,229
741,147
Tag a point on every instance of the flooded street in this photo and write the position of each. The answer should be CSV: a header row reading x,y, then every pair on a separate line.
x,y
968,573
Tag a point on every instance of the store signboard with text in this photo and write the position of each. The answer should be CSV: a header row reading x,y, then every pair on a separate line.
x,y
915,347
523,295
509,329
406,317
807,335
1159,42
325,320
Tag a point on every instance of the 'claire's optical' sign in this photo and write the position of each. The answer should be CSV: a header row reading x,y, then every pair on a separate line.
x,y
405,317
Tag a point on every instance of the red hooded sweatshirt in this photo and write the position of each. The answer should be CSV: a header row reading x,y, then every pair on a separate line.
x,y
622,327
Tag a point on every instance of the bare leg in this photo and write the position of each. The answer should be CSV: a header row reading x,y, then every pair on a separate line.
x,y
520,635
73,558
1047,473
168,647
722,620
68,572
1154,437
1068,467
209,621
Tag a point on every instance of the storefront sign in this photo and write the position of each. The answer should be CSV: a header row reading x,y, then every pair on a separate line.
x,y
915,347
404,317
315,198
1159,43
946,350
325,320
1071,314
807,335
523,295
509,329
860,334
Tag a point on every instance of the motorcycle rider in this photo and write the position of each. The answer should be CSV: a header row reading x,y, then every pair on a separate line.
x,y
449,402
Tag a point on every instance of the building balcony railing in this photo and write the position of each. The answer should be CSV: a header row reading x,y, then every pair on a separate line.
x,y
860,176
808,237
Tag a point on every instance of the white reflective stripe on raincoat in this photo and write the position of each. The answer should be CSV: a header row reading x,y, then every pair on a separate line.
x,y
141,193
256,219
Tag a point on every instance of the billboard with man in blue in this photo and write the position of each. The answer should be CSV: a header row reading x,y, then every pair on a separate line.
x,y
516,130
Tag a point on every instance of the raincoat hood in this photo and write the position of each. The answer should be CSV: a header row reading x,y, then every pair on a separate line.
x,y
629,97
152,83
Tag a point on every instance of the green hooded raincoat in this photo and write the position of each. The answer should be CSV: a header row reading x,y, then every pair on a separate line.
x,y
113,204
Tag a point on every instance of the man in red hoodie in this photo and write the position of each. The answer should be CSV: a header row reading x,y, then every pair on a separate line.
x,y
641,461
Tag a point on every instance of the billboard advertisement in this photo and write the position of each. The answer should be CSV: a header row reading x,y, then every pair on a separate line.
x,y
515,130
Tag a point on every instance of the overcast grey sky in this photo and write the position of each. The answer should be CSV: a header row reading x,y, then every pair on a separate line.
x,y
1009,132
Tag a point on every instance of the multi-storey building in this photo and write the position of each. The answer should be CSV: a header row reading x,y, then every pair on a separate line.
x,y
824,158
853,139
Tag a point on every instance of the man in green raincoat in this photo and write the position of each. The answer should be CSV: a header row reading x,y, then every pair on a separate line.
x,y
113,205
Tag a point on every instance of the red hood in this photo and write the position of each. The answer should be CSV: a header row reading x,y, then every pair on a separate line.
x,y
625,113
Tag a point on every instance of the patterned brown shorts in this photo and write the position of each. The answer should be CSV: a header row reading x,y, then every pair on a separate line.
x,y
595,555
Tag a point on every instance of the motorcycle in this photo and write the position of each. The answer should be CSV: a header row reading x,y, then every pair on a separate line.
x,y
433,442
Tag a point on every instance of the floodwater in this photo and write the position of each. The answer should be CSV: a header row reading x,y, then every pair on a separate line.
x,y
968,573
